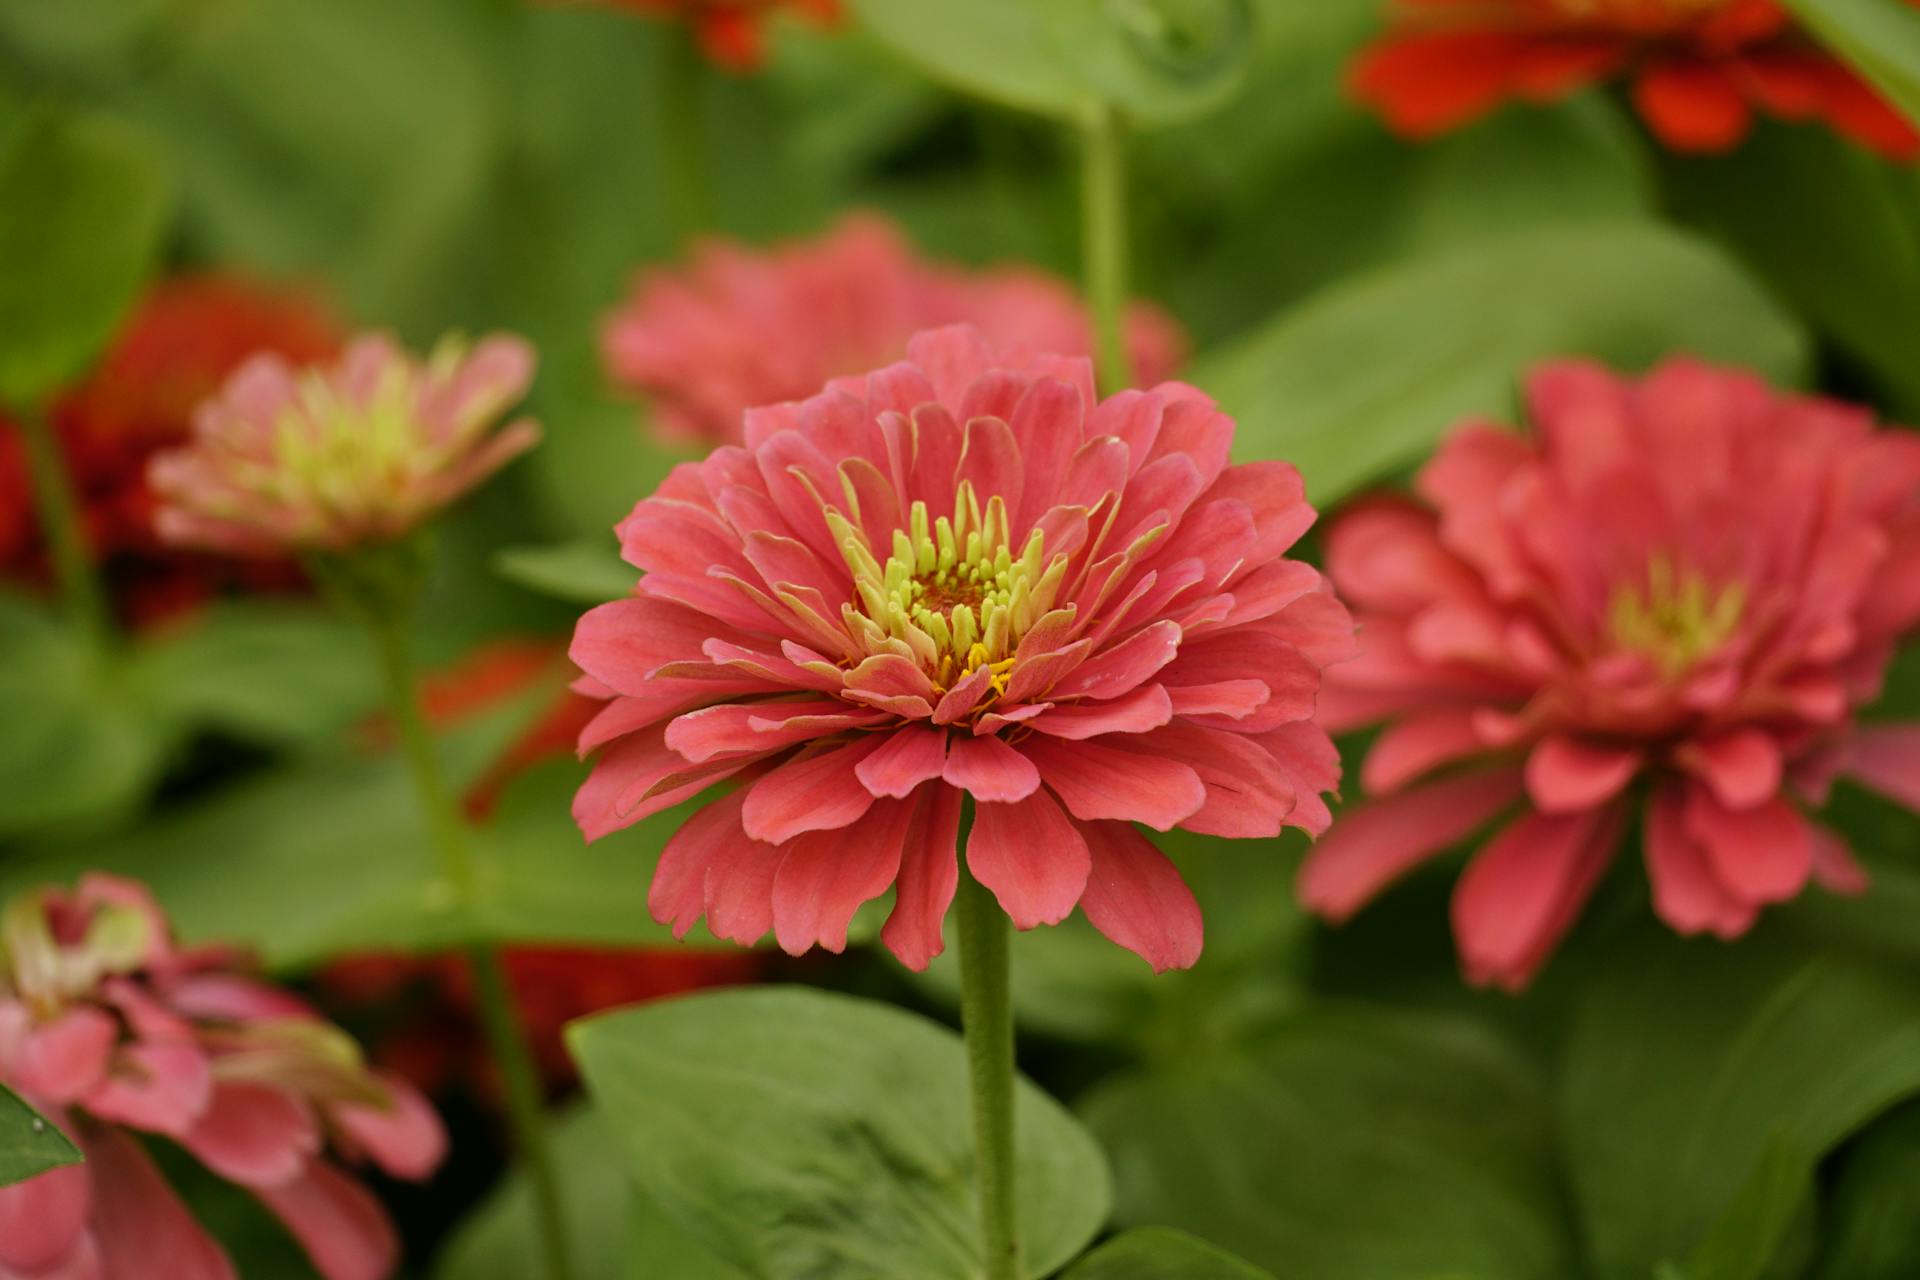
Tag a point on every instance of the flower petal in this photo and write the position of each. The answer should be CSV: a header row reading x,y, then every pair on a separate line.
x,y
337,1221
1032,856
1571,775
254,1134
1096,780
138,1218
929,873
43,1220
1523,891
826,875
813,793
1136,897
990,770
909,757
1762,854
405,1137
1687,894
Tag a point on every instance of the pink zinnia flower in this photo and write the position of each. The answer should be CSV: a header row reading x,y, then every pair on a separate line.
x,y
741,327
330,457
112,1031
1681,587
953,578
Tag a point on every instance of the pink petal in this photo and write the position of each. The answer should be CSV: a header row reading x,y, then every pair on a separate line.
x,y
137,1217
1834,866
1418,744
43,1220
405,1137
159,1087
826,875
640,776
990,770
813,793
1147,707
990,460
739,889
1096,780
1136,897
254,1134
678,895
1686,892
1124,666
61,1060
1763,854
1887,758
1743,766
908,757
1521,894
1248,794
1372,846
929,873
746,728
1571,775
338,1222
622,643
1032,856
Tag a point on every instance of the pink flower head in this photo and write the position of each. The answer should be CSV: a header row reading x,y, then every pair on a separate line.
x,y
740,327
952,578
330,457
113,1031
1687,583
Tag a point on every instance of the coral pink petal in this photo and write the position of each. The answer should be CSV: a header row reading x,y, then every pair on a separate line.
x,y
827,875
1887,759
1370,847
1834,867
990,770
1125,666
1417,744
678,895
1136,897
62,1060
1570,775
338,1222
909,757
1032,856
404,1137
739,889
1742,766
1096,780
1522,892
1147,707
159,1087
1763,854
1248,794
43,1220
138,1218
814,793
254,1134
929,874
1687,893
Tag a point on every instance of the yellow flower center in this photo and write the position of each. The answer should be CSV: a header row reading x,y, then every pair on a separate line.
x,y
1679,617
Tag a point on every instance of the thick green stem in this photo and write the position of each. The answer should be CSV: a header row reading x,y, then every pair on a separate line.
x,y
66,536
986,1018
1103,209
683,132
525,1108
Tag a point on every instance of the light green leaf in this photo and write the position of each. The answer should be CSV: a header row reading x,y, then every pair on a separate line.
x,y
1749,1236
29,1143
82,208
799,1133
1365,377
1155,1253
1352,1144
1881,38
1687,1059
585,571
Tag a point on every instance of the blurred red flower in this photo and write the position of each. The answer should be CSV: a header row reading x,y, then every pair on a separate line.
x,y
1700,68
179,345
741,327
729,31
947,579
1689,582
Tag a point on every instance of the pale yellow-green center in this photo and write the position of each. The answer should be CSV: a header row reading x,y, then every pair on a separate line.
x,y
1677,618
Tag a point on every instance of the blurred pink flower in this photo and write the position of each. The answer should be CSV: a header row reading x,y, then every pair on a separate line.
x,y
740,327
952,578
111,1031
1689,582
730,31
325,458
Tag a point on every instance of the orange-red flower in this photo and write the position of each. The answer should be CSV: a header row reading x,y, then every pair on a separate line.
x,y
1700,68
730,31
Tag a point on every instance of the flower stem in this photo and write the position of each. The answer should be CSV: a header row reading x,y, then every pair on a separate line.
x,y
505,1040
1103,245
986,1018
683,133
59,511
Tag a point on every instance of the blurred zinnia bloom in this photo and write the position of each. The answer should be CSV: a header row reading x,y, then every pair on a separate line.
x,y
180,344
328,458
729,31
739,327
1700,68
1679,589
114,1032
951,578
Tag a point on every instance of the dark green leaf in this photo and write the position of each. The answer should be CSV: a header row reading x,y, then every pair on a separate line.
x,y
1750,1234
1155,1253
587,571
1349,1145
29,1143
1872,1231
1363,378
82,208
1880,37
797,1133
1687,1059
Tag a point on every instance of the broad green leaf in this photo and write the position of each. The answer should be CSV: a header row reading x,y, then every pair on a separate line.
x,y
1155,1253
1881,38
29,1143
1871,1230
1749,1237
616,1234
1351,1144
586,571
82,208
799,1133
1365,377
1687,1059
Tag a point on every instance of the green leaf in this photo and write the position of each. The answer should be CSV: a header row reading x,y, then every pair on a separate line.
x,y
799,1133
1352,1144
1881,38
1156,60
1872,1231
616,1234
1365,377
585,571
29,1143
1155,1253
1686,1059
1747,1238
82,207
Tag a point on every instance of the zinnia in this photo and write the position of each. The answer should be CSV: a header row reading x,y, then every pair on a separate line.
x,y
1681,588
729,31
327,458
113,1031
739,327
1700,68
952,578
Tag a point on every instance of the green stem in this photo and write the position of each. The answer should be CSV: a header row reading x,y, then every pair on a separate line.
x,y
986,1018
1103,209
59,511
683,132
525,1107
